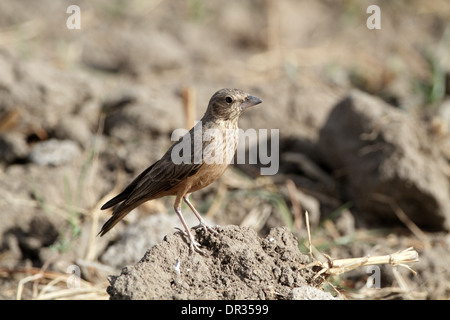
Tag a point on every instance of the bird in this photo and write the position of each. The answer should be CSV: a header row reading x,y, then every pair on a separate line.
x,y
195,161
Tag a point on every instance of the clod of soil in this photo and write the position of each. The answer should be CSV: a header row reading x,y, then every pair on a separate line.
x,y
239,265
368,143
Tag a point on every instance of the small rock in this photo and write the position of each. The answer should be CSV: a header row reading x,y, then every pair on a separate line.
x,y
54,152
305,292
74,128
13,146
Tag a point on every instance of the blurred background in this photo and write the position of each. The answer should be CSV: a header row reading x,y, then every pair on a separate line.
x,y
363,118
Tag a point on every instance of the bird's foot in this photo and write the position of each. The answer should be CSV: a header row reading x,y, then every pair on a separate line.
x,y
194,245
205,227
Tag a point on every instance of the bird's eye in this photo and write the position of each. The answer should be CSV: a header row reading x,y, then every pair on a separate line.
x,y
229,99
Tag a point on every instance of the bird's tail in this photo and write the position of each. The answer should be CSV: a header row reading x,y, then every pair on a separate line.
x,y
123,206
118,214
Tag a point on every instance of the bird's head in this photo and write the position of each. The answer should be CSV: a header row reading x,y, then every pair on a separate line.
x,y
229,104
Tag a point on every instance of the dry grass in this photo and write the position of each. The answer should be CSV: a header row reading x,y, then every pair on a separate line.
x,y
325,266
40,284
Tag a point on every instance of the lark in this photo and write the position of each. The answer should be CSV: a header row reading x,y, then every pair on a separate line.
x,y
209,158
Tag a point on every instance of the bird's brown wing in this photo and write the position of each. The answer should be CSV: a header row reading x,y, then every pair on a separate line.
x,y
162,176
127,191
165,174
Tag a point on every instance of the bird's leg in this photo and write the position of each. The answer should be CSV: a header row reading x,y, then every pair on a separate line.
x,y
193,244
199,217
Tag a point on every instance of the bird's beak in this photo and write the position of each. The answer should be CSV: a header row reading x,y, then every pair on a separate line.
x,y
250,101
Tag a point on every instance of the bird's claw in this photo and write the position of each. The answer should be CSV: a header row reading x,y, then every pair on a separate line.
x,y
206,228
181,231
194,245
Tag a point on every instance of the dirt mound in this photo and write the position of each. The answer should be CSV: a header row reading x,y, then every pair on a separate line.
x,y
239,265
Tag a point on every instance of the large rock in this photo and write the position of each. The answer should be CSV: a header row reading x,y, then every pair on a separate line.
x,y
385,161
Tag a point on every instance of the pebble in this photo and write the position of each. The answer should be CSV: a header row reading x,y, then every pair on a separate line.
x,y
54,152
